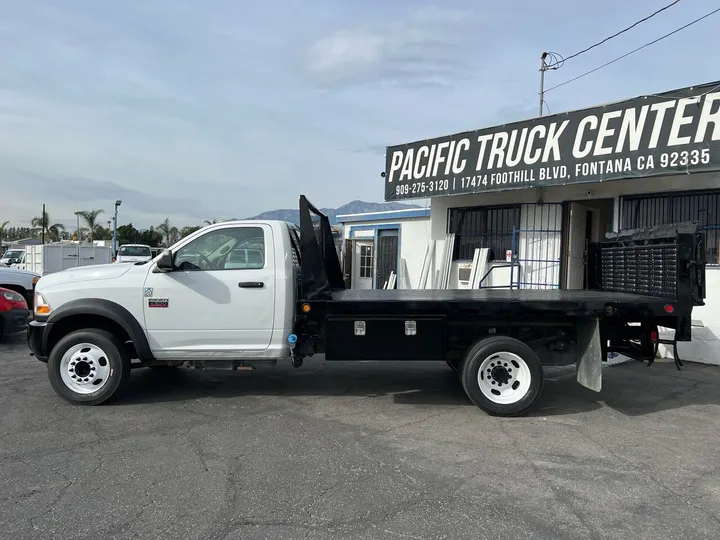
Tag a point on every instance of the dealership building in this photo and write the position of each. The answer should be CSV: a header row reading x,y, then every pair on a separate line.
x,y
536,192
378,243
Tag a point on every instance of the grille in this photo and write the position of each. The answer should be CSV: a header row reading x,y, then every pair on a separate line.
x,y
650,270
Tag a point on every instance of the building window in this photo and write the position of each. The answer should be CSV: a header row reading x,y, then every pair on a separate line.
x,y
485,227
651,210
366,261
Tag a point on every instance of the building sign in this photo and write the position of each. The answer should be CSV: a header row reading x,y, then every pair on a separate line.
x,y
676,132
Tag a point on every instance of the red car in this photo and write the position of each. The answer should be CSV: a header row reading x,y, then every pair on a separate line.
x,y
14,313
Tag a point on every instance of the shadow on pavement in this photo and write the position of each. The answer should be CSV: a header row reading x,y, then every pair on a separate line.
x,y
631,389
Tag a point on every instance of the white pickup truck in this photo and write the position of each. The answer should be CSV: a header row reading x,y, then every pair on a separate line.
x,y
132,253
242,293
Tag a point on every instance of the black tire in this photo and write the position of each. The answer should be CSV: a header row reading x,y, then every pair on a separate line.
x,y
117,362
494,350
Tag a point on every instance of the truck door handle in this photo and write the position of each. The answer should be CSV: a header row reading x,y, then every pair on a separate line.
x,y
251,284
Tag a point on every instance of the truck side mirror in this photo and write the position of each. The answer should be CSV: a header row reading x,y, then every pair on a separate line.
x,y
165,262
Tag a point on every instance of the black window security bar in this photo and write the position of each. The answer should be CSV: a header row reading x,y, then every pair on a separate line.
x,y
537,248
483,227
639,211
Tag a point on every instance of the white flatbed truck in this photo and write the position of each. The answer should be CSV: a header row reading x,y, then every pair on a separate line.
x,y
243,293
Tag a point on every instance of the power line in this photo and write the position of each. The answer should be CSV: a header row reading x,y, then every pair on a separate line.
x,y
633,51
616,34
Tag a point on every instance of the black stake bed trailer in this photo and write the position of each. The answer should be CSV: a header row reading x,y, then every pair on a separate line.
x,y
498,340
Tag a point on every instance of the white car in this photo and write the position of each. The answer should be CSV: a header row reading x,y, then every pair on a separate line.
x,y
133,253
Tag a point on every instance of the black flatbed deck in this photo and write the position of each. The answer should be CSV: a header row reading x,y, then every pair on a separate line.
x,y
493,301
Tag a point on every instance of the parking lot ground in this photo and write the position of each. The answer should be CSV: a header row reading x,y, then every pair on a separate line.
x,y
359,451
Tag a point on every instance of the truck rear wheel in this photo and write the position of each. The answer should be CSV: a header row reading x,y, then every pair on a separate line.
x,y
88,366
502,376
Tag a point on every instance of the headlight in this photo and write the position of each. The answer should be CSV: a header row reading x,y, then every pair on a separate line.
x,y
42,307
13,296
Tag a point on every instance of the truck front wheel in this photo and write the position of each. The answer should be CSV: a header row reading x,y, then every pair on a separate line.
x,y
88,366
502,376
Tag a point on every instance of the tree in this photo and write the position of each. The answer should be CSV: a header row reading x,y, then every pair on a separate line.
x,y
91,220
150,238
169,233
188,230
42,223
102,233
19,233
127,234
2,230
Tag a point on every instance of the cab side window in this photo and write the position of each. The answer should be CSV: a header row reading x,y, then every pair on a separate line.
x,y
233,248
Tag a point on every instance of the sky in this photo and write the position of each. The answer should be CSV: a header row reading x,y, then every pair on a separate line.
x,y
208,110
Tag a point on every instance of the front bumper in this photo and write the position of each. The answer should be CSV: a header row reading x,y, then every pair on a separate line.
x,y
14,321
35,339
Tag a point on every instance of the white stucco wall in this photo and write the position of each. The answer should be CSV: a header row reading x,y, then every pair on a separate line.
x,y
705,345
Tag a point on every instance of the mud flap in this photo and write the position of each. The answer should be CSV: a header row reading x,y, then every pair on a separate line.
x,y
589,355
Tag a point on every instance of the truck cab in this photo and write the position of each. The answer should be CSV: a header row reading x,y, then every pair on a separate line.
x,y
226,292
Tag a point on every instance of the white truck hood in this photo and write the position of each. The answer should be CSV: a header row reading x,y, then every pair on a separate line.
x,y
18,271
85,273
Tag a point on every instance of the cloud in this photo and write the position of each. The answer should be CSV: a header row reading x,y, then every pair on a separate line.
x,y
424,47
346,50
67,194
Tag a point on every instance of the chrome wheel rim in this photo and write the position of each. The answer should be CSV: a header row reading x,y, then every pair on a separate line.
x,y
504,378
85,368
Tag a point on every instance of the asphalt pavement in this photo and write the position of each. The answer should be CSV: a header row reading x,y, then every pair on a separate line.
x,y
336,451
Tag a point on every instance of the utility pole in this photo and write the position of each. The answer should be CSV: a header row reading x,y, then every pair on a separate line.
x,y
114,245
543,69
77,215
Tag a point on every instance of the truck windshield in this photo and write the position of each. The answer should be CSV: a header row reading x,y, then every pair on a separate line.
x,y
135,251
13,255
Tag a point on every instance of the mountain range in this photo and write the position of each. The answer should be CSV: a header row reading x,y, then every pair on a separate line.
x,y
354,207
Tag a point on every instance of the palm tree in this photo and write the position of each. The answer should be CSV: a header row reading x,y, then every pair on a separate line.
x,y
91,219
168,232
80,231
43,224
55,231
2,230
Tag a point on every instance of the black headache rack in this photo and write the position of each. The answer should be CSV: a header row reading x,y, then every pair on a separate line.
x,y
319,263
666,261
